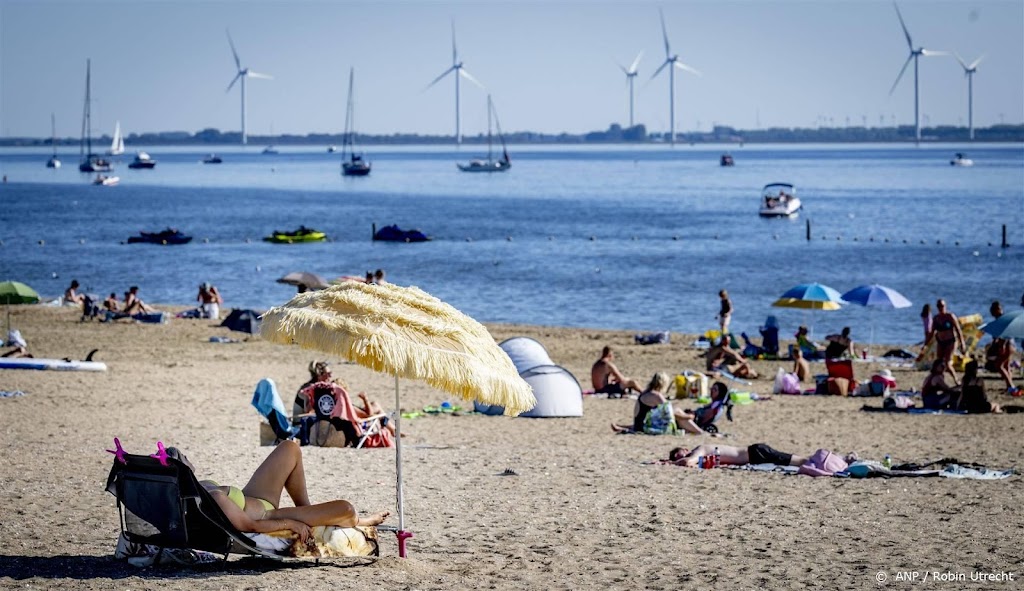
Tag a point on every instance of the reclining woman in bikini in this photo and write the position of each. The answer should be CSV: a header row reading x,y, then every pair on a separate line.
x,y
256,507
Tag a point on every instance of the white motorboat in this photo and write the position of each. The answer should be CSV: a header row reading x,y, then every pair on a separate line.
x,y
142,160
106,181
959,159
270,150
779,200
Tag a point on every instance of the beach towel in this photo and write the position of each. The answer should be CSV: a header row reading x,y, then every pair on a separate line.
x,y
268,403
912,410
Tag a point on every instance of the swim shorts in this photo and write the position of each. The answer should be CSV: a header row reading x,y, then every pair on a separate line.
x,y
615,389
760,453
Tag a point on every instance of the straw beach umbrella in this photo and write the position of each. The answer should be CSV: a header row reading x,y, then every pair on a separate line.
x,y
405,332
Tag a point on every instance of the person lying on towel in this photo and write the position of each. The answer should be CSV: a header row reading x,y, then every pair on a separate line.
x,y
758,453
256,507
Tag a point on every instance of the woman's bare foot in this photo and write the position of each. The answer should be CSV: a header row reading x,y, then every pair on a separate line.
x,y
374,519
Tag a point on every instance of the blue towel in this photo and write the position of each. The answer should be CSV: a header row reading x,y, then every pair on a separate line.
x,y
266,400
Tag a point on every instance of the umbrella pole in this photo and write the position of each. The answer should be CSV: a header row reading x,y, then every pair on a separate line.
x,y
401,533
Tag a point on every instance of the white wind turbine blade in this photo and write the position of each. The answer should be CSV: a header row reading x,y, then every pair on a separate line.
x,y
660,68
252,74
975,63
438,79
623,68
636,62
233,80
910,43
932,53
465,74
664,33
961,60
455,52
687,68
238,62
905,64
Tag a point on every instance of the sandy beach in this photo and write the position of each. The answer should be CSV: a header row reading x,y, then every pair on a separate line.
x,y
586,509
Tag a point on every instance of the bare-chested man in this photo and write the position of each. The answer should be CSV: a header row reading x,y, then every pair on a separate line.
x,y
607,379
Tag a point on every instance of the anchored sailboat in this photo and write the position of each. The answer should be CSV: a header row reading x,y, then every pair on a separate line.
x,y
117,144
352,164
490,165
89,162
53,162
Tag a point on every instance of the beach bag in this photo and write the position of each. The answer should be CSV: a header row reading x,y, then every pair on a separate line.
x,y
823,463
786,383
661,420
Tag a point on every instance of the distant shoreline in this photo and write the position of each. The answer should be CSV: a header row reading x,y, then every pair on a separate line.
x,y
614,135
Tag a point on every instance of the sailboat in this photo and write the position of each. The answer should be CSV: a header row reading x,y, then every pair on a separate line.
x,y
117,144
53,162
89,161
352,164
490,165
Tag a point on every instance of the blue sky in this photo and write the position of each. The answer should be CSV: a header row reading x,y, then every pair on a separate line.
x,y
551,66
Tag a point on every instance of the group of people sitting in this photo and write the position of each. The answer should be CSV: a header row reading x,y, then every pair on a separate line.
x,y
111,308
968,395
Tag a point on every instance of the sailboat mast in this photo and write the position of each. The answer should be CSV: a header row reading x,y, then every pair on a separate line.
x,y
85,115
348,145
53,133
489,150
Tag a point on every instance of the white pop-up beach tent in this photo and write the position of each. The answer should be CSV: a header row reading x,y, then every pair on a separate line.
x,y
558,392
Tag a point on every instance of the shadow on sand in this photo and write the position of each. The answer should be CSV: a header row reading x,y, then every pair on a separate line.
x,y
107,567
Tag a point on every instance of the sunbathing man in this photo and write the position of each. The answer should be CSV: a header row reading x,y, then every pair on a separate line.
x,y
723,357
607,379
758,453
256,507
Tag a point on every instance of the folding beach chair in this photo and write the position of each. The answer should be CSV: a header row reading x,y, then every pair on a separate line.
x,y
165,506
358,433
840,376
268,403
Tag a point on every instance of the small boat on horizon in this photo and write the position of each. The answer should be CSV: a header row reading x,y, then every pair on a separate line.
x,y
779,200
165,237
142,160
271,150
726,160
960,159
490,165
106,181
53,162
352,164
212,159
117,143
303,234
89,162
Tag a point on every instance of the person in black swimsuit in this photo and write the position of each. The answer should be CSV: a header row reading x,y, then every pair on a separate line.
x,y
948,336
839,345
651,398
972,397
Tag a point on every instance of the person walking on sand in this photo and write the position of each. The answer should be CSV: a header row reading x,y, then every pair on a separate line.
x,y
607,379
724,312
948,337
210,301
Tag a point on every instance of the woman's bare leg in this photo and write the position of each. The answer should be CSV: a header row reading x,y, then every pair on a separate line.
x,y
282,470
339,513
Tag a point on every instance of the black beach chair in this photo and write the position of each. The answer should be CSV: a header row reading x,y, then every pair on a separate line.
x,y
165,506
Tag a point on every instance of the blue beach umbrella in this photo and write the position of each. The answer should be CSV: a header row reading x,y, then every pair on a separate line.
x,y
813,292
1007,326
876,296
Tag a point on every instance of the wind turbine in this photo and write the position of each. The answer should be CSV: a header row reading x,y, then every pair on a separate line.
x,y
630,75
914,54
242,74
460,72
969,72
672,61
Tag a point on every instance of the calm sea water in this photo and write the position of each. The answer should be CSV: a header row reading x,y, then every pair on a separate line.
x,y
612,237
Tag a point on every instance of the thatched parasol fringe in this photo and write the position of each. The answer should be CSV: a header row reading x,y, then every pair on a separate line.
x,y
405,332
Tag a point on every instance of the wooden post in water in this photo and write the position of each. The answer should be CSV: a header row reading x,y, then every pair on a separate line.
x,y
808,230
1004,245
